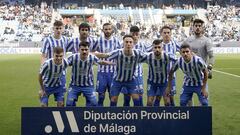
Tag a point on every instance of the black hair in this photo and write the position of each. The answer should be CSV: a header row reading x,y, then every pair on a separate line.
x,y
185,45
165,27
198,21
84,44
157,41
126,36
134,29
84,25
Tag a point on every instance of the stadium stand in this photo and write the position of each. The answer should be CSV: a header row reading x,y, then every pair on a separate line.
x,y
30,23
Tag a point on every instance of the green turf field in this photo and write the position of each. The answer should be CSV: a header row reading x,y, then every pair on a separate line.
x,y
19,87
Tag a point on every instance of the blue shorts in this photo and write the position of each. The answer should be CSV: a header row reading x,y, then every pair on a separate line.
x,y
156,89
63,81
139,81
173,90
104,81
88,92
130,87
58,93
187,93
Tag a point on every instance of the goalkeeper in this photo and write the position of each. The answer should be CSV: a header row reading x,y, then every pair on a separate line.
x,y
201,45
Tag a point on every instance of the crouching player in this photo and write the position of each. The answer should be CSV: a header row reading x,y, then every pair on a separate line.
x,y
82,75
50,76
195,76
158,62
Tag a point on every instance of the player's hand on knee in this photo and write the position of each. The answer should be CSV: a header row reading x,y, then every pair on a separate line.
x,y
204,93
209,74
209,67
42,93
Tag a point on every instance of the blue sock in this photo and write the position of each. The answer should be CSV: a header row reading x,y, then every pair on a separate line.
x,y
140,100
101,97
136,102
71,102
127,99
156,102
113,103
74,103
172,103
88,102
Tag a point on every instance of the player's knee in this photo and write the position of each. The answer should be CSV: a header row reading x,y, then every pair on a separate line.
x,y
70,102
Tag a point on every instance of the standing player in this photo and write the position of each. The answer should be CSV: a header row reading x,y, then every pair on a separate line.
x,y
158,62
105,44
172,47
82,75
52,41
124,77
84,30
195,76
50,76
201,45
135,32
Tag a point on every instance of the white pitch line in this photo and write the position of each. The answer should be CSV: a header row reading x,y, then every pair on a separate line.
x,y
226,73
227,68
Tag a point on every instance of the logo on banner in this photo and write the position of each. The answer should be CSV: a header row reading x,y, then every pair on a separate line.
x,y
60,124
119,120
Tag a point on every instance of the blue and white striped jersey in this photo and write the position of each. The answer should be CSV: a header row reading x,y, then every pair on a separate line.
x,y
105,46
52,73
126,65
158,68
172,48
73,45
82,70
193,70
144,48
50,43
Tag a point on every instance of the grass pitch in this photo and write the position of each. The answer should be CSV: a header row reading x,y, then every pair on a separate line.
x,y
19,87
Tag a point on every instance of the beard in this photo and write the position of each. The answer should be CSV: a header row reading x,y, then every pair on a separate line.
x,y
107,35
157,53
